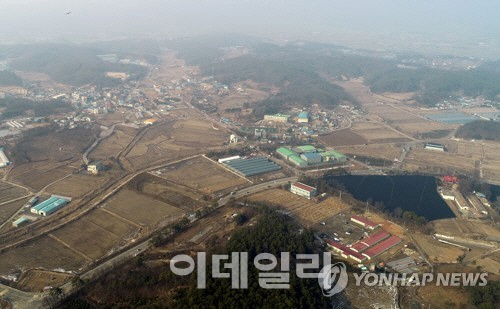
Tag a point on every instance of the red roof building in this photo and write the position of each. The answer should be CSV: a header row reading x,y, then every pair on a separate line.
x,y
303,190
364,222
381,247
370,241
450,179
344,251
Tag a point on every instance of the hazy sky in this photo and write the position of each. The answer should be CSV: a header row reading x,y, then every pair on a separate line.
x,y
24,20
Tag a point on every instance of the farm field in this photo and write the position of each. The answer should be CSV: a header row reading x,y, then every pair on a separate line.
x,y
95,234
420,159
383,151
395,109
461,156
9,192
342,138
175,140
7,210
377,133
44,253
40,174
140,209
202,174
305,210
77,185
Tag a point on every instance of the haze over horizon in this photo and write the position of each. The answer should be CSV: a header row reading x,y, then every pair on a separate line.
x,y
447,25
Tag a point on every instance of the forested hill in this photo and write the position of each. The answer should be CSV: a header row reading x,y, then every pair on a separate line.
x,y
68,64
299,84
268,62
480,129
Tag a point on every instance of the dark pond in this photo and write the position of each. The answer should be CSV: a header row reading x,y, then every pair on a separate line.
x,y
408,192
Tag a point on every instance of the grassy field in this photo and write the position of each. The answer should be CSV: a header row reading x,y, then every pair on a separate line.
x,y
305,210
203,175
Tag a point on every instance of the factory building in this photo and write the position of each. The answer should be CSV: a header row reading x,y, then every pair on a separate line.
x,y
4,161
304,149
332,155
311,157
303,190
252,166
285,153
297,161
434,146
308,155
277,117
222,160
344,251
370,241
20,222
303,117
50,205
381,247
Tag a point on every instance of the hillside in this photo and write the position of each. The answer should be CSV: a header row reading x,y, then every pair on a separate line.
x,y
69,64
8,78
275,64
480,129
147,284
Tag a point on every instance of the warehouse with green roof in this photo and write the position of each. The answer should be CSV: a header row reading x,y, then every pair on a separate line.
x,y
332,155
285,153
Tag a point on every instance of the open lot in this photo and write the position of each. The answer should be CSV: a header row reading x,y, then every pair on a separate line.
x,y
436,251
202,174
174,140
306,211
34,280
342,138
